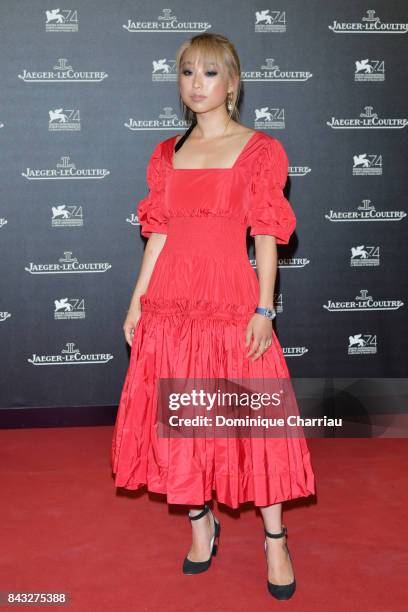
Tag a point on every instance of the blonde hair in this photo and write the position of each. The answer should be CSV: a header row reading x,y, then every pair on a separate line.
x,y
218,47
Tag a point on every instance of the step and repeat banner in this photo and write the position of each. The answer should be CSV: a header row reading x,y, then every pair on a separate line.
x,y
87,90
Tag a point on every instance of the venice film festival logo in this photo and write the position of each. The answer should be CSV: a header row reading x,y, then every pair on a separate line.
x,y
164,70
61,20
369,70
69,308
267,118
68,265
62,72
363,255
367,120
267,20
67,215
367,165
365,212
69,356
362,344
65,170
269,71
369,24
363,302
167,120
166,22
64,120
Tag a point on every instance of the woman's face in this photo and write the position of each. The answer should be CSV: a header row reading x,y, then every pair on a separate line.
x,y
204,84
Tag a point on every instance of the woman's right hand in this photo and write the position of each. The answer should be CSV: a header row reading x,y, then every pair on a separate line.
x,y
129,324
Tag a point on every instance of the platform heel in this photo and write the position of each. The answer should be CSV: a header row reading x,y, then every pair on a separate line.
x,y
280,591
197,567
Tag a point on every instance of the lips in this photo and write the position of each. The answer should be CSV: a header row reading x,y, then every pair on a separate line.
x,y
198,98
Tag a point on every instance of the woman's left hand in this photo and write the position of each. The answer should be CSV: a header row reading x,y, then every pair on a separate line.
x,y
260,329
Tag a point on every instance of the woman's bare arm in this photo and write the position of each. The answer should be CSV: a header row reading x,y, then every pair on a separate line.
x,y
152,251
259,327
266,255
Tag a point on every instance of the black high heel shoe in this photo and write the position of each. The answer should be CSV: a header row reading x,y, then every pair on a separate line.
x,y
196,567
280,591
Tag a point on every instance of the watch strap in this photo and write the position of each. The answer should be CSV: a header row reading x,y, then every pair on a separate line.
x,y
269,313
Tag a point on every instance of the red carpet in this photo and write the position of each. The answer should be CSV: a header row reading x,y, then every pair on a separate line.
x,y
66,529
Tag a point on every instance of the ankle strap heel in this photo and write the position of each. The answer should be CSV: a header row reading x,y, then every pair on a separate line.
x,y
196,567
281,534
280,591
200,515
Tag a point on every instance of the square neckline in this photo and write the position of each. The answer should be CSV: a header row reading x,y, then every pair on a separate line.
x,y
213,168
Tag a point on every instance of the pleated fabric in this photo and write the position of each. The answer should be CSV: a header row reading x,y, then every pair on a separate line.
x,y
202,293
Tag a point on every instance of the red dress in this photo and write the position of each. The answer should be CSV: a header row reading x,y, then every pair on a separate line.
x,y
201,295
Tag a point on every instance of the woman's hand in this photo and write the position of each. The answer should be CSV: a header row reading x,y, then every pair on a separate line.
x,y
129,325
260,329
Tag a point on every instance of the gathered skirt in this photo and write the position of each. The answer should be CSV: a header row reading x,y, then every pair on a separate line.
x,y
181,339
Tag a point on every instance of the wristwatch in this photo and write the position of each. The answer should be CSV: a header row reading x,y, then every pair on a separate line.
x,y
269,312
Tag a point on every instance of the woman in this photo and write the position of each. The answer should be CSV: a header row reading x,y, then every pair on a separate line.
x,y
193,310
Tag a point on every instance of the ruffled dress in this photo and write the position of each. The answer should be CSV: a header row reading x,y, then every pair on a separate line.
x,y
201,295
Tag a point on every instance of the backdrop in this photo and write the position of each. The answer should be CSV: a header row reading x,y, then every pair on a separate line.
x,y
86,93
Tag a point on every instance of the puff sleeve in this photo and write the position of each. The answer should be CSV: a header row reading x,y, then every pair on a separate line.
x,y
150,210
270,212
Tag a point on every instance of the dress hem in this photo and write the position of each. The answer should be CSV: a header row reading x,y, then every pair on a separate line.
x,y
205,499
253,488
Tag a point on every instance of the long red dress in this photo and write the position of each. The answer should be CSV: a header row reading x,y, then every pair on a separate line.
x,y
201,295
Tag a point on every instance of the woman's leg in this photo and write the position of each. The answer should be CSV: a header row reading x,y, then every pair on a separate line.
x,y
280,570
202,532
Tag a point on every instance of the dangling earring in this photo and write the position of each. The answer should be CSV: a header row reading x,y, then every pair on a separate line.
x,y
230,105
